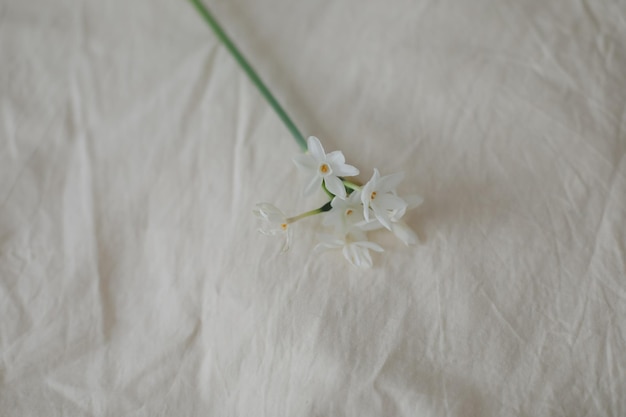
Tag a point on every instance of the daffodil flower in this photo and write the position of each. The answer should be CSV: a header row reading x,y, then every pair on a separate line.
x,y
273,223
379,195
354,245
322,167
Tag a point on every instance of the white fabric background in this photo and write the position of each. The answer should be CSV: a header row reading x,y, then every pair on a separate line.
x,y
132,150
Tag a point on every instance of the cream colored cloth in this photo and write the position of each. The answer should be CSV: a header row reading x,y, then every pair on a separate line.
x,y
133,149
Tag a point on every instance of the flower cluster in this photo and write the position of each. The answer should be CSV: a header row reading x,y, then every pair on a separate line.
x,y
352,211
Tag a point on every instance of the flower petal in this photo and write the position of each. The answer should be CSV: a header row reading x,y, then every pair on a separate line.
x,y
328,242
315,148
287,241
366,199
358,257
390,182
390,202
413,200
375,176
404,233
380,215
305,162
334,219
335,186
313,185
336,157
368,226
337,202
370,245
269,212
355,198
345,170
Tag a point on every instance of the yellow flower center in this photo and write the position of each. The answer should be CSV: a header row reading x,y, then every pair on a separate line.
x,y
324,168
373,196
284,226
348,212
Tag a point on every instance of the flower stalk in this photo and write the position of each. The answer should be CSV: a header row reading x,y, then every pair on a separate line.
x,y
325,207
254,77
350,185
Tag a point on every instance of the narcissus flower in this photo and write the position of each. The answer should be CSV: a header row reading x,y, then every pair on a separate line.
x,y
322,167
273,222
353,210
379,195
399,227
354,245
345,214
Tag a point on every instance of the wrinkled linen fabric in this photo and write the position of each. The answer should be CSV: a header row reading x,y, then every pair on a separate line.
x,y
133,149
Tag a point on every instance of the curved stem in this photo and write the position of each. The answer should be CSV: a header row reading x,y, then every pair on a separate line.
x,y
351,185
223,37
325,207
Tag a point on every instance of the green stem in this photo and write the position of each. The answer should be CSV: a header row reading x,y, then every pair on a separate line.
x,y
351,185
219,32
325,207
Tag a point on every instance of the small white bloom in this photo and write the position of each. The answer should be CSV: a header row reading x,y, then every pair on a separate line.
x,y
274,222
412,201
323,167
404,232
354,245
379,195
346,214
399,227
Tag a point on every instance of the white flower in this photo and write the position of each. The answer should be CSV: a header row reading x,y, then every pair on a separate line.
x,y
379,194
274,222
404,232
346,214
399,227
323,167
412,201
354,245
